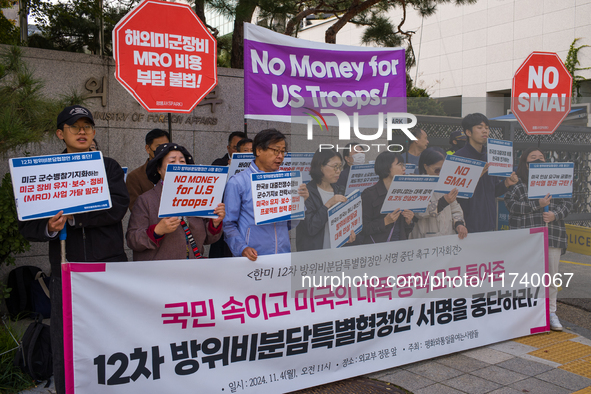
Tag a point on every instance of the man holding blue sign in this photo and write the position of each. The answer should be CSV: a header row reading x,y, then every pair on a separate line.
x,y
480,210
92,236
242,235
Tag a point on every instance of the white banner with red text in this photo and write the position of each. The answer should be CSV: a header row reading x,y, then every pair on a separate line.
x,y
232,325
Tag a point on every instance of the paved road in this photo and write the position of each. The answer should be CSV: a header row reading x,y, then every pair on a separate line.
x,y
574,307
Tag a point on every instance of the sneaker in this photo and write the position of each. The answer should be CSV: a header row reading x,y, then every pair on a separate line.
x,y
555,322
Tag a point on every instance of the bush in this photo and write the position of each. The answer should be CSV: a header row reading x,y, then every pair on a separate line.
x,y
12,379
11,240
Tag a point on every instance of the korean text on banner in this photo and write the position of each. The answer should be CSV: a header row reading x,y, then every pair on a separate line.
x,y
409,192
410,169
192,190
201,329
275,196
361,176
240,162
461,173
298,162
73,183
499,155
281,71
555,179
343,218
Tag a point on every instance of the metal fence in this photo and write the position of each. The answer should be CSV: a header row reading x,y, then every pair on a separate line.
x,y
567,144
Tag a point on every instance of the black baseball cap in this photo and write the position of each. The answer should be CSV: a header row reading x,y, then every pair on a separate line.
x,y
156,162
457,135
71,114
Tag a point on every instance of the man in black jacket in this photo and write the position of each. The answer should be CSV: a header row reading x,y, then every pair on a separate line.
x,y
91,236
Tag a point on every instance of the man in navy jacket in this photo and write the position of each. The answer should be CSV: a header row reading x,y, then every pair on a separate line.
x,y
480,210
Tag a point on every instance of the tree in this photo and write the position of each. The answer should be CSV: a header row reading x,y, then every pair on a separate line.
x,y
9,33
286,17
25,116
572,61
74,25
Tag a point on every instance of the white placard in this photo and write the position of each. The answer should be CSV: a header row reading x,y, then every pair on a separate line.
x,y
499,154
72,182
409,192
239,163
275,196
298,161
343,218
233,326
553,178
192,190
410,169
361,176
461,173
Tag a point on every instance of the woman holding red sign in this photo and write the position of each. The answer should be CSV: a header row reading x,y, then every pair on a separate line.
x,y
172,238
526,213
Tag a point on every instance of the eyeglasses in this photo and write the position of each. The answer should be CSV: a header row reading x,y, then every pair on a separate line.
x,y
278,152
336,167
76,129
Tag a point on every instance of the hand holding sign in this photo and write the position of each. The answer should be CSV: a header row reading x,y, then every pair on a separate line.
x,y
512,180
451,196
334,200
544,202
167,225
220,210
57,222
392,217
408,215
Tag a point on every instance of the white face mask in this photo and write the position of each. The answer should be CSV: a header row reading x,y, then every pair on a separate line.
x,y
359,158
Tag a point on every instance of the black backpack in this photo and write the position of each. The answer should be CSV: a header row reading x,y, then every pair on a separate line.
x,y
34,355
19,304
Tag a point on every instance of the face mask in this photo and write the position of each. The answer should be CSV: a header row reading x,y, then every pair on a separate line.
x,y
536,161
359,158
460,144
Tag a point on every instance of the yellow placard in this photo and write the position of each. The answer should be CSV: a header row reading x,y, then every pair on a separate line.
x,y
579,239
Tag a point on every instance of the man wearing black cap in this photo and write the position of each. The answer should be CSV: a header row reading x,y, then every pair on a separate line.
x,y
91,236
457,140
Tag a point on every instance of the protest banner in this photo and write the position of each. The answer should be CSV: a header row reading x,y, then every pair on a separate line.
x,y
410,169
361,176
298,162
409,192
461,173
499,156
275,196
73,183
281,71
555,179
235,326
239,163
343,218
192,190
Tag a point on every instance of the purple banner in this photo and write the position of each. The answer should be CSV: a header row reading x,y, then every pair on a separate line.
x,y
282,74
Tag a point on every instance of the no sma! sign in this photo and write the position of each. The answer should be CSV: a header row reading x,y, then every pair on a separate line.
x,y
541,94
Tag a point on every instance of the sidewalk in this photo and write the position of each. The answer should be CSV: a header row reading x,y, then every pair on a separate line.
x,y
553,363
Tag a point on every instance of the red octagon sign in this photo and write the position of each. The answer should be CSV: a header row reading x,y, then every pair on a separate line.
x,y
541,94
165,56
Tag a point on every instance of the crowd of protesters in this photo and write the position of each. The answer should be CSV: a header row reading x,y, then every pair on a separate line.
x,y
98,236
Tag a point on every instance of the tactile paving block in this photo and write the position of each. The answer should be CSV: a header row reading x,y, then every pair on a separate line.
x,y
545,339
563,352
586,390
580,367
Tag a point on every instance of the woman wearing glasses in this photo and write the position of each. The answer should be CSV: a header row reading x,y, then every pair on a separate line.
x,y
312,233
444,216
396,225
